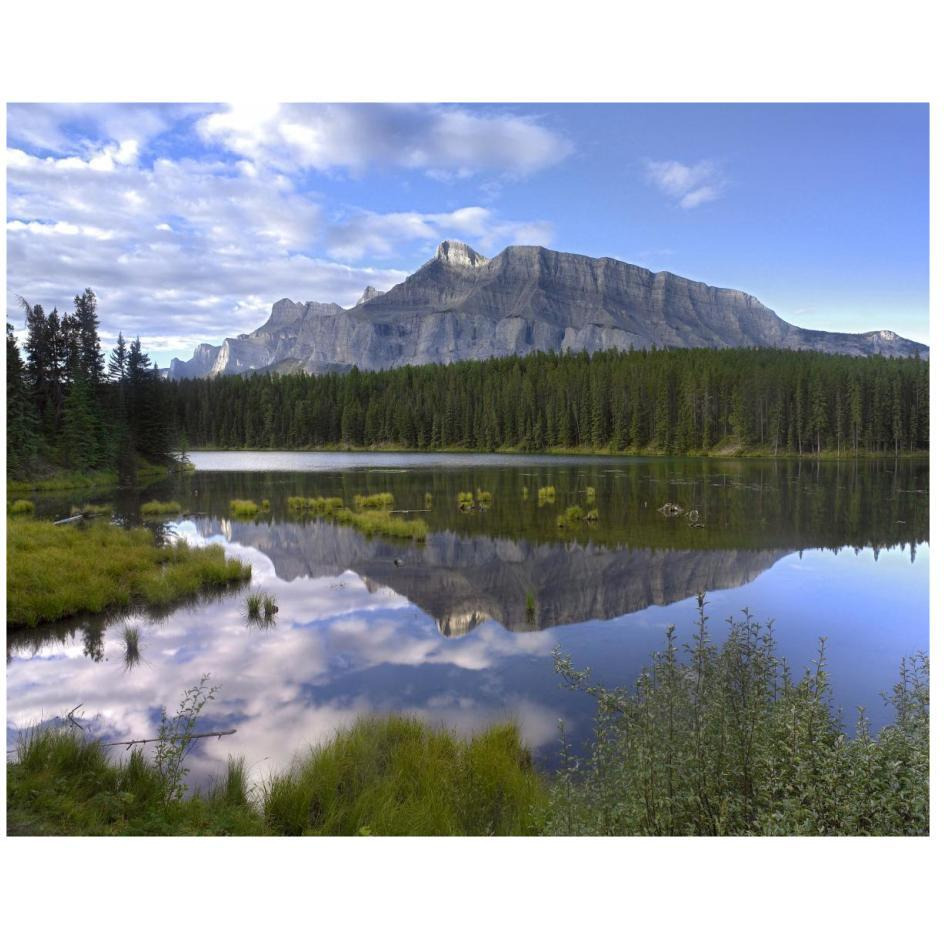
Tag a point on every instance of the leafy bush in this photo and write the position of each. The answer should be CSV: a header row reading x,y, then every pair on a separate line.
x,y
728,743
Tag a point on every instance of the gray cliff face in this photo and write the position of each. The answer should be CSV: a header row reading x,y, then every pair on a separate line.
x,y
462,306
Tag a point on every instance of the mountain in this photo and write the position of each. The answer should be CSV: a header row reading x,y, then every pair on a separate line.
x,y
462,306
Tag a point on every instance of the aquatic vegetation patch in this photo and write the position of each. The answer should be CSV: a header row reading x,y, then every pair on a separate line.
x,y
243,508
367,519
547,495
54,572
375,500
156,508
261,607
319,505
89,509
22,506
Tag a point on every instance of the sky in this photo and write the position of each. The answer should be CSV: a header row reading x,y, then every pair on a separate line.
x,y
189,221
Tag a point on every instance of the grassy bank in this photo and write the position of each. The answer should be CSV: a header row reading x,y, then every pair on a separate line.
x,y
384,776
54,572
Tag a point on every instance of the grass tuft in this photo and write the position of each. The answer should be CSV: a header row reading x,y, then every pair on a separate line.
x,y
396,776
155,508
22,506
243,508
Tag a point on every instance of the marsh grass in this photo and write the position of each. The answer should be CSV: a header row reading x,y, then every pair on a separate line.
x,y
156,508
254,606
243,508
54,572
374,516
261,608
132,641
319,505
384,776
90,509
530,607
726,742
22,506
547,495
376,500
398,776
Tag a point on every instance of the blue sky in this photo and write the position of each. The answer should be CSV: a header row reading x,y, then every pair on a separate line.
x,y
190,220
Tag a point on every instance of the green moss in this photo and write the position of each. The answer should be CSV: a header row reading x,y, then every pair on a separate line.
x,y
54,572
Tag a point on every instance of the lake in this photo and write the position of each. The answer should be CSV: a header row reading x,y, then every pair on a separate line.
x,y
461,629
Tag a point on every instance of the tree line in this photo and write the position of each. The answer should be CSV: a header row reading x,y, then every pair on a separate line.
x,y
667,401
69,409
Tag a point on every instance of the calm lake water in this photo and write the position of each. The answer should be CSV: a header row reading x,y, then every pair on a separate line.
x,y
443,630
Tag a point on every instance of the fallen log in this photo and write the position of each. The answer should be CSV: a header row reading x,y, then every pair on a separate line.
x,y
69,520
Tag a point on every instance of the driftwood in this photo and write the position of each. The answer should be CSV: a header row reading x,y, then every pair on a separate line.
x,y
69,520
170,737
129,744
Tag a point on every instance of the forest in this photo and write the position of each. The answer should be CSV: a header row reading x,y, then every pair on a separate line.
x,y
70,411
679,401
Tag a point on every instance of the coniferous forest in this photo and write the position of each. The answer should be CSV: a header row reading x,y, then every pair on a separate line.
x,y
69,410
661,401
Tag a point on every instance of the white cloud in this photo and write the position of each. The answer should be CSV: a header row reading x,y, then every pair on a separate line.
x,y
444,141
688,185
383,234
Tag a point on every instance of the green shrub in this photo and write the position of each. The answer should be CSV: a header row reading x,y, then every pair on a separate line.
x,y
154,508
727,743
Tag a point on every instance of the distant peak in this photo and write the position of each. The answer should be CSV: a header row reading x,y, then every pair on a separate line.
x,y
454,253
368,293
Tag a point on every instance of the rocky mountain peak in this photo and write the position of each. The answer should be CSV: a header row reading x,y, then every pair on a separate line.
x,y
455,253
368,293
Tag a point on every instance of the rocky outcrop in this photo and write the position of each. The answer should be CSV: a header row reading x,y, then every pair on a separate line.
x,y
461,306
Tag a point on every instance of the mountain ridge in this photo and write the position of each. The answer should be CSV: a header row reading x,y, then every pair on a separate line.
x,y
460,305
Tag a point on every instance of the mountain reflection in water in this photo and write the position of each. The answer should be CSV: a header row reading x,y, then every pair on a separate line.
x,y
443,630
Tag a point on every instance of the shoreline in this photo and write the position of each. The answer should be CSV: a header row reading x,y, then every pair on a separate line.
x,y
579,453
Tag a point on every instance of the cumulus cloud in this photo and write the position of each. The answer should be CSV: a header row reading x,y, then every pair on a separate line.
x,y
381,234
688,185
442,141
